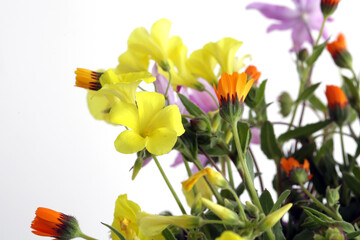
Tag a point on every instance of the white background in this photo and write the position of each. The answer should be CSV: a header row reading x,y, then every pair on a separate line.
x,y
54,154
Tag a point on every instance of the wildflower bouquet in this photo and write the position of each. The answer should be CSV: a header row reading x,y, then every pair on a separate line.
x,y
210,110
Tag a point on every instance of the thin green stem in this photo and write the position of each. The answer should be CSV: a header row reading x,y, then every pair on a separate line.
x,y
187,115
168,86
241,209
346,161
320,205
321,31
169,185
212,96
84,236
231,178
221,222
257,169
293,117
142,89
248,181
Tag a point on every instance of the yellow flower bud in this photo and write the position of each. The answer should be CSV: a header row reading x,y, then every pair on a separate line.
x,y
229,235
222,212
271,219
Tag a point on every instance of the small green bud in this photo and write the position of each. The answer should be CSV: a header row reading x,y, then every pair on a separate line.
x,y
286,104
200,124
303,54
252,209
137,166
271,219
299,176
332,195
165,66
215,122
331,233
223,213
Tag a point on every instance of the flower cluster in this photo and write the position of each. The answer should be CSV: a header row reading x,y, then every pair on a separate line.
x,y
211,110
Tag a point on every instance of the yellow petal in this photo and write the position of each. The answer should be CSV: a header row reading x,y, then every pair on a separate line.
x,y
160,33
161,141
132,61
141,41
99,105
137,76
122,91
129,141
224,52
202,64
229,235
125,114
149,104
169,117
189,184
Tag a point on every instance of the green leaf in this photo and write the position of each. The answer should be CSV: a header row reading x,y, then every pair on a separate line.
x,y
117,233
316,219
304,131
244,135
268,143
353,235
356,172
307,92
260,93
250,164
191,107
317,103
266,201
168,235
317,50
282,198
304,235
352,182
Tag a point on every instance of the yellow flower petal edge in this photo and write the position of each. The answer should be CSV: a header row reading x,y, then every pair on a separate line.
x,y
229,235
130,141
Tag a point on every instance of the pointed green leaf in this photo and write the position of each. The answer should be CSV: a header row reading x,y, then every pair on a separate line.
x,y
117,233
317,103
168,235
260,93
266,201
353,235
352,182
244,135
308,92
282,198
268,144
304,131
191,107
317,50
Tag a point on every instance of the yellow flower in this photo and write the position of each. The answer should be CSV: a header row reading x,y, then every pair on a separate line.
x,y
152,126
203,190
151,225
125,219
202,64
155,44
109,87
214,177
132,61
224,52
229,235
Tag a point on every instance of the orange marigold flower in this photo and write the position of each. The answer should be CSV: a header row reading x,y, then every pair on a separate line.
x,y
337,104
253,73
328,7
232,88
291,165
339,52
50,223
87,79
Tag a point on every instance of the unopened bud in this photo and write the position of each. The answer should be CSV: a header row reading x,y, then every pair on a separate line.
x,y
303,54
223,213
200,124
271,219
286,104
216,178
299,176
330,234
328,7
252,209
332,195
137,166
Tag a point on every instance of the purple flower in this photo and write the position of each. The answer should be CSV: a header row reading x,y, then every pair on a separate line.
x,y
203,98
305,17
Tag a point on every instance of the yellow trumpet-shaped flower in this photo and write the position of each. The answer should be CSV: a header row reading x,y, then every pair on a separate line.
x,y
152,126
229,235
214,177
202,64
151,225
224,52
108,87
155,44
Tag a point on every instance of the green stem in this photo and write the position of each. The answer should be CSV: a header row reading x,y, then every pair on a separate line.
x,y
168,86
218,197
320,205
321,31
142,89
84,236
231,178
346,161
203,222
242,212
293,117
248,181
169,185
187,115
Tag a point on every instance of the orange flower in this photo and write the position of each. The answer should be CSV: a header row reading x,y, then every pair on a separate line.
x,y
50,223
329,6
335,96
253,73
232,88
290,164
87,79
337,46
339,52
